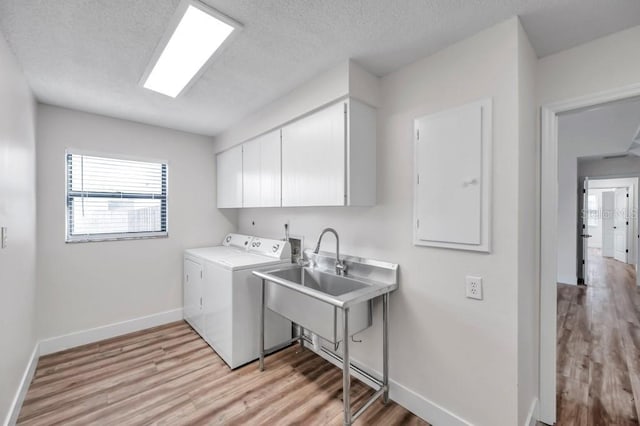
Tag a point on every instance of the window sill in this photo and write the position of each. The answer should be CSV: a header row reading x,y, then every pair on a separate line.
x,y
116,237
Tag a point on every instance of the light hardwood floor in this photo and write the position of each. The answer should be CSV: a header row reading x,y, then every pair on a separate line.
x,y
598,358
168,375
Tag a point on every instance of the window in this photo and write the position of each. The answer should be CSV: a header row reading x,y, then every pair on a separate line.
x,y
111,198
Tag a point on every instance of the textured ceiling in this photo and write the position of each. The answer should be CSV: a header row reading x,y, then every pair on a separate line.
x,y
90,54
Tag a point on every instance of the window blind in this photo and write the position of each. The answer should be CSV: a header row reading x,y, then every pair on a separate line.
x,y
112,198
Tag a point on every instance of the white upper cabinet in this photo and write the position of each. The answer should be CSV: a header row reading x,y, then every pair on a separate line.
x,y
328,157
229,177
261,171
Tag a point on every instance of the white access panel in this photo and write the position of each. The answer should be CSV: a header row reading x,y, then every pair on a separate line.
x,y
229,178
453,180
261,171
313,159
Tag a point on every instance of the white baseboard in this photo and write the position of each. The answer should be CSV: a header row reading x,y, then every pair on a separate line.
x,y
567,279
412,401
424,408
18,399
532,417
84,337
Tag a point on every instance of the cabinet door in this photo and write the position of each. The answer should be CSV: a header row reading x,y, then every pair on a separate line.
x,y
313,159
261,171
229,177
251,173
270,170
192,286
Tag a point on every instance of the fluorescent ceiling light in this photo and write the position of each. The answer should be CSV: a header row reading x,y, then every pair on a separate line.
x,y
195,39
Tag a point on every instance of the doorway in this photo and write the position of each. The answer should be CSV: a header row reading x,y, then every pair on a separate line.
x,y
608,220
554,223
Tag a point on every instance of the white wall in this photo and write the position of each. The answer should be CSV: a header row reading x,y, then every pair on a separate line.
x,y
346,78
528,235
605,64
629,165
582,134
85,285
18,214
454,352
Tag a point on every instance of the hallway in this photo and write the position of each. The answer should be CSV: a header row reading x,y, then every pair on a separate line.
x,y
598,358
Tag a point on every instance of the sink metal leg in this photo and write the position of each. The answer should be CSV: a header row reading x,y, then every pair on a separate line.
x,y
261,345
385,347
346,373
301,336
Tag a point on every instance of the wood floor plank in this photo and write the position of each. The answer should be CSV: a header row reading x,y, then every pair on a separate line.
x,y
598,347
169,376
100,348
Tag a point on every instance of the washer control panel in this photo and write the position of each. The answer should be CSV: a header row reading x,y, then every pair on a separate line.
x,y
273,248
237,240
277,249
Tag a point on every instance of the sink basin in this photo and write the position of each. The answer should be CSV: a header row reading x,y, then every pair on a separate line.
x,y
285,295
314,297
324,282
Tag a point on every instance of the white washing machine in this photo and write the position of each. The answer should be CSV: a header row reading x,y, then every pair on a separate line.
x,y
194,274
222,297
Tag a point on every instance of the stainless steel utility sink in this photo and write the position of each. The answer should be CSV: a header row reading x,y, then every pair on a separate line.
x,y
321,299
307,309
314,296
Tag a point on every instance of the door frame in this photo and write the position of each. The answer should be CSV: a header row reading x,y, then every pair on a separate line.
x,y
583,221
548,234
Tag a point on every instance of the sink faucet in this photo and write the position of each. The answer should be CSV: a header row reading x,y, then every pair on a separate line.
x,y
341,268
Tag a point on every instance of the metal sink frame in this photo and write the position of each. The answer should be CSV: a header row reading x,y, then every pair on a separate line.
x,y
319,287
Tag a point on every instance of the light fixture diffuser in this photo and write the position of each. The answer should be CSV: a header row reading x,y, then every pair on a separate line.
x,y
199,33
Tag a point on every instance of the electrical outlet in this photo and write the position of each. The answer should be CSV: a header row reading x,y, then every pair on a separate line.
x,y
474,287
